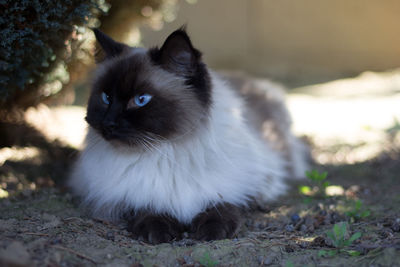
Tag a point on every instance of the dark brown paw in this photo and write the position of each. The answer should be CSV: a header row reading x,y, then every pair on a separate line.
x,y
213,231
216,223
153,229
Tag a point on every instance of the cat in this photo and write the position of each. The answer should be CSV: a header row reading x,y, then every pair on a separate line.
x,y
169,149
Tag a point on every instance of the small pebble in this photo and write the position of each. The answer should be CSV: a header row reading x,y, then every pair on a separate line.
x,y
110,235
188,259
303,244
260,259
335,217
309,221
395,226
16,254
266,260
295,218
27,193
269,260
56,241
328,219
289,248
289,228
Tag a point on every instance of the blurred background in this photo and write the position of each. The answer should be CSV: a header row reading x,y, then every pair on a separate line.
x,y
295,42
338,60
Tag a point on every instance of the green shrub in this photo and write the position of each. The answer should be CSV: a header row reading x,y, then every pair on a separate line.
x,y
37,39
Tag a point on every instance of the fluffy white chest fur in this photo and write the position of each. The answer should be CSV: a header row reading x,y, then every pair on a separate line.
x,y
226,161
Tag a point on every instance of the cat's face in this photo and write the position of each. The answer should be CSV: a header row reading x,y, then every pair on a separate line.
x,y
141,97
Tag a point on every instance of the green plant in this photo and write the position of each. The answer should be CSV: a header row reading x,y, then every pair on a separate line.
x,y
318,178
38,38
319,184
339,238
207,261
357,212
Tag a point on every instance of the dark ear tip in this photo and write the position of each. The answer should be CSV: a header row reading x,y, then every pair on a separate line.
x,y
183,28
181,31
110,47
180,34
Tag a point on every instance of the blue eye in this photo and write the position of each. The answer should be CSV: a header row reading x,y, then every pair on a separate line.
x,y
105,98
142,100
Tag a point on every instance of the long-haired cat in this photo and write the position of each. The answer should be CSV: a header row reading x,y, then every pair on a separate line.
x,y
173,148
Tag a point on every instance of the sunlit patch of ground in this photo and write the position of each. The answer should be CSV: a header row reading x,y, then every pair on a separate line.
x,y
64,123
348,120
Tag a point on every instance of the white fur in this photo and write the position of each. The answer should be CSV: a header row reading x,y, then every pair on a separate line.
x,y
225,161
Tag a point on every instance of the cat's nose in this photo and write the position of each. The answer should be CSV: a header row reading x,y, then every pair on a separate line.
x,y
108,129
109,125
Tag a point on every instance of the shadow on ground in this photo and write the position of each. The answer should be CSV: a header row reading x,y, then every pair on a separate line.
x,y
46,228
29,160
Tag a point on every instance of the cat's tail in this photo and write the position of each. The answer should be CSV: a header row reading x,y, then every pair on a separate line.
x,y
300,157
267,114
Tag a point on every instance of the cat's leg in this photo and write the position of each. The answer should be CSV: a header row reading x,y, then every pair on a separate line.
x,y
153,228
219,222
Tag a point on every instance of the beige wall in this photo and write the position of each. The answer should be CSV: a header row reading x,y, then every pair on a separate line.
x,y
292,40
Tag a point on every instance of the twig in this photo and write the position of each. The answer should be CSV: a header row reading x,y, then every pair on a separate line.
x,y
39,234
145,244
74,252
71,219
373,246
370,255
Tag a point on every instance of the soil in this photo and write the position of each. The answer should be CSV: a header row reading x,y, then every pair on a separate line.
x,y
41,224
45,227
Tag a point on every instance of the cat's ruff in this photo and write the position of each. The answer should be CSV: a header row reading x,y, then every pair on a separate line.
x,y
223,162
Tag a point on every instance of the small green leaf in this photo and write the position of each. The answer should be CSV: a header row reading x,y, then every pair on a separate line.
x,y
326,253
365,213
307,200
346,243
332,253
353,253
305,190
337,230
331,236
207,261
322,253
358,205
354,237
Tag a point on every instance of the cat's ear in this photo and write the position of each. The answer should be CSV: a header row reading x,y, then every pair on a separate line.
x,y
110,47
177,54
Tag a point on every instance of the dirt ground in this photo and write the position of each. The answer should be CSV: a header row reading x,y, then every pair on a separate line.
x,y
41,224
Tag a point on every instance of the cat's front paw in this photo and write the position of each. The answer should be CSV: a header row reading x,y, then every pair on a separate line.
x,y
216,223
213,231
153,229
